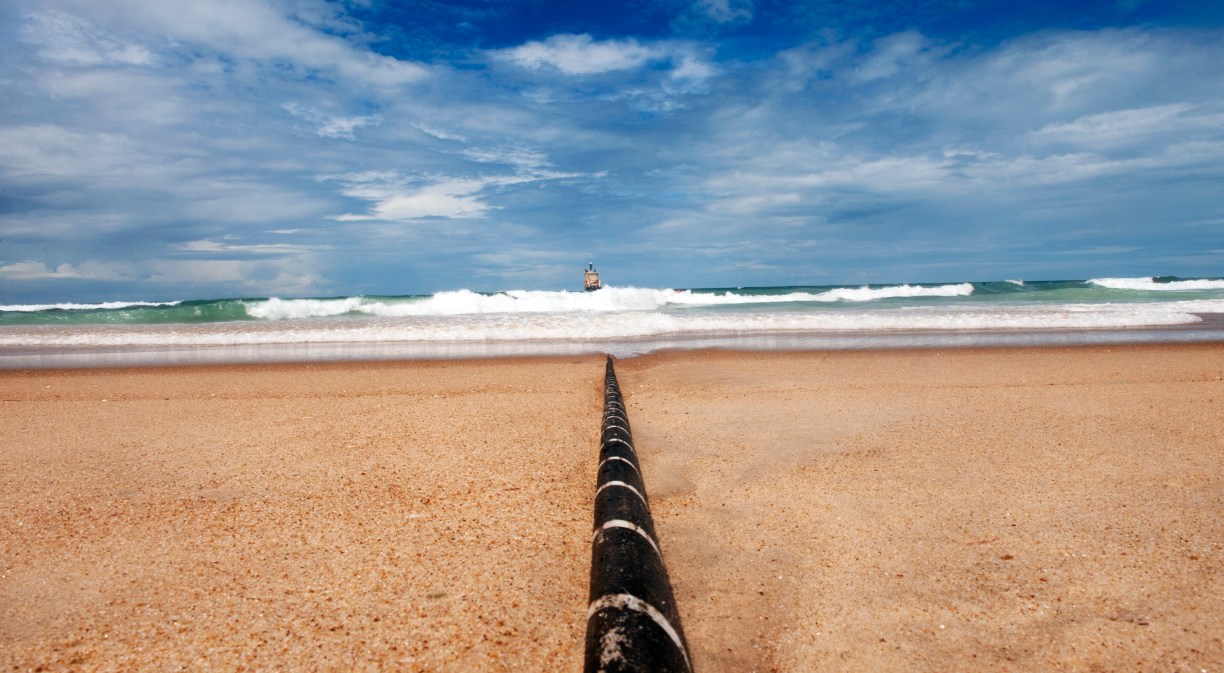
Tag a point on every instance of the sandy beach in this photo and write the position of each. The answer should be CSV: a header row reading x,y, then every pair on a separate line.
x,y
1016,509
420,516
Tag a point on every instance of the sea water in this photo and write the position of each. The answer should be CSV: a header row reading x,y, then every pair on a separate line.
x,y
617,320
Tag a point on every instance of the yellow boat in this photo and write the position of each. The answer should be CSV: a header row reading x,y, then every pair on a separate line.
x,y
590,278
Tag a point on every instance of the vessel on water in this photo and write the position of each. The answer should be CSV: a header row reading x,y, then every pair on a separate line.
x,y
590,278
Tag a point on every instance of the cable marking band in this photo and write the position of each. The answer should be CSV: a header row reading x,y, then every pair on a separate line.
x,y
621,484
621,523
631,602
616,439
623,460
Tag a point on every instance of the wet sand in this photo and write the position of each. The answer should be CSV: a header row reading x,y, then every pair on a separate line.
x,y
1023,509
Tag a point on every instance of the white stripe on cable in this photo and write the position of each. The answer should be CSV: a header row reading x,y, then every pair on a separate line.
x,y
620,458
621,523
631,602
622,484
617,439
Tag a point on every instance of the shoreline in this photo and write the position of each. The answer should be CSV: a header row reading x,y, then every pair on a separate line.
x,y
714,353
928,509
1210,329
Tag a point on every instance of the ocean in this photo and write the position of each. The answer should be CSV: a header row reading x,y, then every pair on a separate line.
x,y
621,321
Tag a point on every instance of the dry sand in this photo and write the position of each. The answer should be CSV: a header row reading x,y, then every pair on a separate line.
x,y
347,517
1022,510
1040,509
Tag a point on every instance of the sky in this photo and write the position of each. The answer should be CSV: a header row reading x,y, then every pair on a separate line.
x,y
221,148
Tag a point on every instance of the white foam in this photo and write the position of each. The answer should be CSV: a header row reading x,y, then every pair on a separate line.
x,y
1149,284
856,294
607,300
462,302
898,291
109,305
589,327
286,309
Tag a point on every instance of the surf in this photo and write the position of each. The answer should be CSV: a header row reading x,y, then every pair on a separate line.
x,y
1152,284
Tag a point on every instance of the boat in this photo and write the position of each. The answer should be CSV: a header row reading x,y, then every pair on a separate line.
x,y
590,278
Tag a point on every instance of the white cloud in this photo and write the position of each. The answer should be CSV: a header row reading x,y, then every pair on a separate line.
x,y
529,164
1126,125
255,30
36,271
66,38
47,150
396,198
776,178
440,134
693,69
139,124
522,158
582,55
763,204
1055,76
907,52
873,130
262,277
800,66
329,126
32,270
207,246
137,98
686,67
726,11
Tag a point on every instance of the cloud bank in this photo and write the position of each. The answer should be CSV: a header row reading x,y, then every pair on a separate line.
x,y
220,148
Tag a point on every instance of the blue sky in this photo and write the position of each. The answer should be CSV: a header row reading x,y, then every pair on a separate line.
x,y
164,150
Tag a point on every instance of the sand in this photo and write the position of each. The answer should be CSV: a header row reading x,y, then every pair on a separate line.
x,y
424,516
1024,509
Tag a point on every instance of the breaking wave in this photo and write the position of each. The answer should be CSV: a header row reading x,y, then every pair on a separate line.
x,y
609,299
569,327
1151,284
104,306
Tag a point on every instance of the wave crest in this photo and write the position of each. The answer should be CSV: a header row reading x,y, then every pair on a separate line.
x,y
609,299
1150,284
288,309
570,328
104,306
